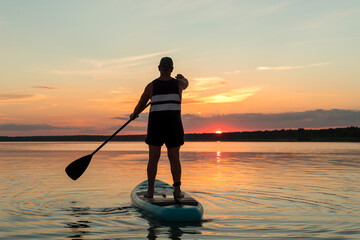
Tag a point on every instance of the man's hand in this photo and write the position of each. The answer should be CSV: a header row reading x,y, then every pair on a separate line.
x,y
134,116
179,76
183,81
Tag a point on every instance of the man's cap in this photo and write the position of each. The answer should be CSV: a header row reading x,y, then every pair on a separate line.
x,y
166,62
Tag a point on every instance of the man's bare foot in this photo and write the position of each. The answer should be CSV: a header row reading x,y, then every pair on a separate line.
x,y
149,194
178,194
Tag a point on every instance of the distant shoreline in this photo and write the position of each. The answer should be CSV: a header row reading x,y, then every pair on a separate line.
x,y
348,134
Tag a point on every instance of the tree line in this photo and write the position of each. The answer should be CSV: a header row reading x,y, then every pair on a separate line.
x,y
348,134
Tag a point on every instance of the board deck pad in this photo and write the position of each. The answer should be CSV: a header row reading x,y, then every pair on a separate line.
x,y
166,198
163,206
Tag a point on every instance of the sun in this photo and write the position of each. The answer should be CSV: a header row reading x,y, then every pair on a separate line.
x,y
218,132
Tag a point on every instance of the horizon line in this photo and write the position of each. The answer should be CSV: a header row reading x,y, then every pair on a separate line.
x,y
189,133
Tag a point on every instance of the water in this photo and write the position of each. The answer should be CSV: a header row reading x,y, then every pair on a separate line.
x,y
248,190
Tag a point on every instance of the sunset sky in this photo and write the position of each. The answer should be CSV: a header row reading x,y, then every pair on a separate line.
x,y
79,67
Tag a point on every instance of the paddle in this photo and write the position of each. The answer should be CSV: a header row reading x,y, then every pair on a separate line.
x,y
75,169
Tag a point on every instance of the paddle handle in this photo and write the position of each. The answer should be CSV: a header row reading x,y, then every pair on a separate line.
x,y
118,131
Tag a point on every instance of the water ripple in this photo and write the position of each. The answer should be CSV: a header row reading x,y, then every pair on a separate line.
x,y
250,194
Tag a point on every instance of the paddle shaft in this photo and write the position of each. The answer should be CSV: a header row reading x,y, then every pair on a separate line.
x,y
118,131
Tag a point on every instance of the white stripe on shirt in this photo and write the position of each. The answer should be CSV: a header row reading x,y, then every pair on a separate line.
x,y
165,107
165,97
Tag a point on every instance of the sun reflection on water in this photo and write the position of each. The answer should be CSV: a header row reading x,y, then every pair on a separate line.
x,y
218,151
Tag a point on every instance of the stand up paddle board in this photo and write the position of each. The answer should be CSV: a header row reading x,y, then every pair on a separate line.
x,y
163,206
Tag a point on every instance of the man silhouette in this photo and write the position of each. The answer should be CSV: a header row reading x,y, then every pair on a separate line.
x,y
164,123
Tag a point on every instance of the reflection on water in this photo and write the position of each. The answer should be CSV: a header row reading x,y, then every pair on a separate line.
x,y
248,190
81,228
173,230
78,229
218,151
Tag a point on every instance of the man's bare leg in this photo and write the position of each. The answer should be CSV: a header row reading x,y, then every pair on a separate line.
x,y
174,158
154,156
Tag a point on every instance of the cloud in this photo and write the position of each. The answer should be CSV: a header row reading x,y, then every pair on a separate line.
x,y
236,95
125,118
258,121
198,123
190,98
280,68
143,117
100,63
28,127
19,98
100,67
10,97
206,83
45,87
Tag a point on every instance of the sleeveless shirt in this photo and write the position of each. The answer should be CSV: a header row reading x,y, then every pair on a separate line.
x,y
165,96
164,124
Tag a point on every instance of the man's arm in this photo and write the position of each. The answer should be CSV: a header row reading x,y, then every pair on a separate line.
x,y
183,82
142,102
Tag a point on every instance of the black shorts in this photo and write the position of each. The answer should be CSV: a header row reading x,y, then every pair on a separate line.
x,y
165,127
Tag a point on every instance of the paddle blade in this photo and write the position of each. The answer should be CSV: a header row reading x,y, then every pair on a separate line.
x,y
75,169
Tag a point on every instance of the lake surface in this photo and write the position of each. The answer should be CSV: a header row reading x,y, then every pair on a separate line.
x,y
249,190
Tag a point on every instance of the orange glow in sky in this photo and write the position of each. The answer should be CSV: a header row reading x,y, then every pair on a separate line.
x,y
266,58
